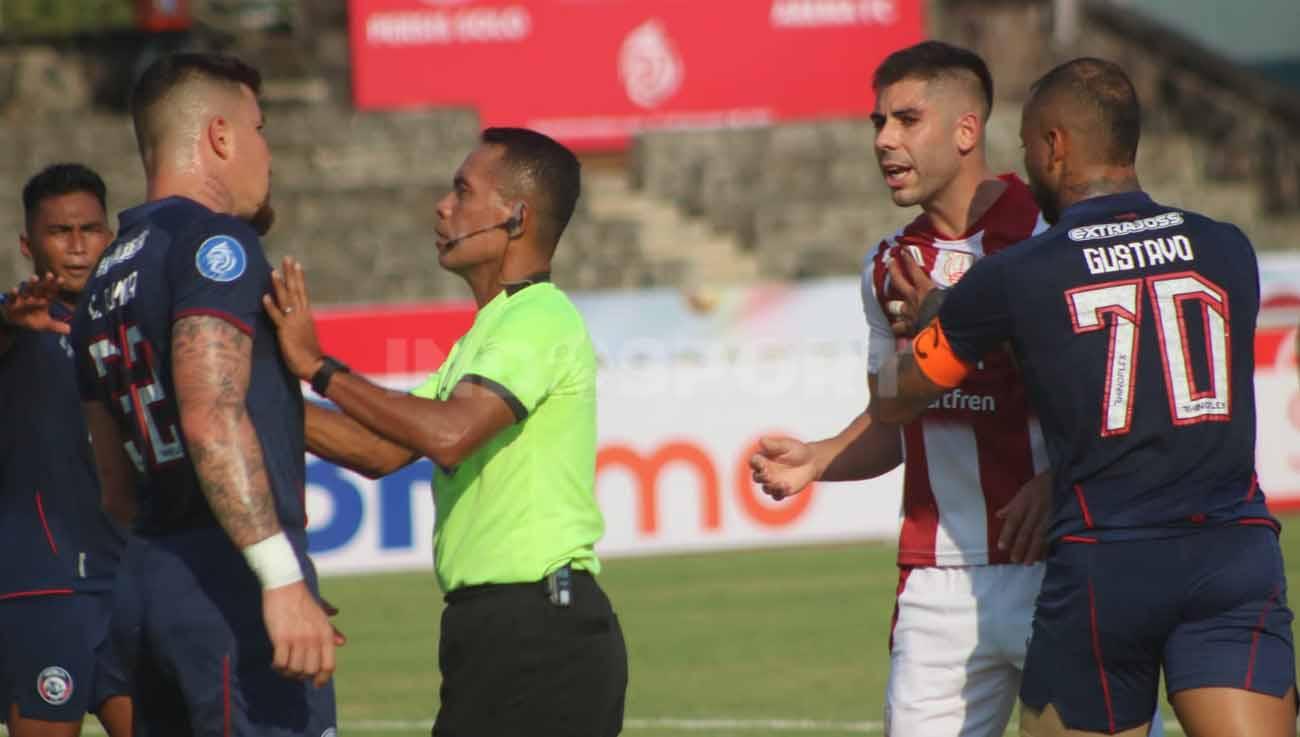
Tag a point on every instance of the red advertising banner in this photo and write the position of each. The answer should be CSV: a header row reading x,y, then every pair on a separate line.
x,y
593,73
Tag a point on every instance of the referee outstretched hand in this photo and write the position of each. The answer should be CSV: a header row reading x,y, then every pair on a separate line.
x,y
290,310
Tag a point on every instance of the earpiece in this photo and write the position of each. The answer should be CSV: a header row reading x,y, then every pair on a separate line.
x,y
515,225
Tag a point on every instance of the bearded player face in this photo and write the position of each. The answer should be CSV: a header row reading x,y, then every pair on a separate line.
x,y
1043,171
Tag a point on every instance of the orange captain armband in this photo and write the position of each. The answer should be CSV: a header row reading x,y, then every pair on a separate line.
x,y
935,358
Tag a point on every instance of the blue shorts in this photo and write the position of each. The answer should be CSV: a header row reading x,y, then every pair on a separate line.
x,y
1209,606
56,660
188,620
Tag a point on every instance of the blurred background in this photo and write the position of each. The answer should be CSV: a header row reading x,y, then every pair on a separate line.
x,y
730,195
722,146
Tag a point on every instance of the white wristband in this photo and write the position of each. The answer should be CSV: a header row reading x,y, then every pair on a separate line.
x,y
887,379
274,561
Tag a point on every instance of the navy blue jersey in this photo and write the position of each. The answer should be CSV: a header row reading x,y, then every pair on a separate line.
x,y
175,258
57,536
1135,325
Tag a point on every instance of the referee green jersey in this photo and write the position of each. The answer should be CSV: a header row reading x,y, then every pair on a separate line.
x,y
523,504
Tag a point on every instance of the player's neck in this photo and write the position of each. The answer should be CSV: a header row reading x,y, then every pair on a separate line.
x,y
191,185
1097,182
955,209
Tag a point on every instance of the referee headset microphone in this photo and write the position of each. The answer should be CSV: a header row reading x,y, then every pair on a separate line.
x,y
511,225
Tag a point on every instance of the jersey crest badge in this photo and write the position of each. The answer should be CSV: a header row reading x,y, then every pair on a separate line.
x,y
955,264
221,258
54,685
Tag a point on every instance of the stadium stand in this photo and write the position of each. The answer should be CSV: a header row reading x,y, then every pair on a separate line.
x,y
355,192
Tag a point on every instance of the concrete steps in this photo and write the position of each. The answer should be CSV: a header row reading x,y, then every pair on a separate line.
x,y
688,245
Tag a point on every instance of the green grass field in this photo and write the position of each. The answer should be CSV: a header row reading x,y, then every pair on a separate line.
x,y
789,634
785,641
737,644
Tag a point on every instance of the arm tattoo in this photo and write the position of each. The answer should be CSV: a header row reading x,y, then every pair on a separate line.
x,y
212,362
929,308
1082,190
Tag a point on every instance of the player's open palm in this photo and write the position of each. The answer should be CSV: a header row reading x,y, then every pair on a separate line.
x,y
300,632
783,466
28,305
290,309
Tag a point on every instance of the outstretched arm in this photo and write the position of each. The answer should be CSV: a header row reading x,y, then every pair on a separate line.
x,y
784,466
864,450
342,440
27,307
445,431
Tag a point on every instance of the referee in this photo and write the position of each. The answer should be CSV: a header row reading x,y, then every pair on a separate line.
x,y
530,644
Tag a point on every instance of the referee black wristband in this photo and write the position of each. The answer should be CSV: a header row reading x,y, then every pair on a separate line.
x,y
320,381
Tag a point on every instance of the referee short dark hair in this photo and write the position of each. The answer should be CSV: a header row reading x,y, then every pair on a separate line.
x,y
543,170
60,179
930,60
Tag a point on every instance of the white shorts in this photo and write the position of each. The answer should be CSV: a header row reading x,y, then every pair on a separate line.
x,y
958,648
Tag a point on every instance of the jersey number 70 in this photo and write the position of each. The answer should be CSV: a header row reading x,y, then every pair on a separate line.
x,y
1170,294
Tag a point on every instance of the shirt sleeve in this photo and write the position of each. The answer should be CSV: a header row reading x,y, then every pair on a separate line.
x,y
881,342
975,316
220,271
429,388
524,358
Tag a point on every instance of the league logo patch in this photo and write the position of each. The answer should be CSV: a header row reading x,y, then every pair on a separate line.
x,y
54,685
221,258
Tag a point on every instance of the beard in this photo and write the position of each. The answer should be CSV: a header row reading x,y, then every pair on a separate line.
x,y
1046,200
263,219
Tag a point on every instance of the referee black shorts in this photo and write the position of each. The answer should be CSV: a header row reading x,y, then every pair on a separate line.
x,y
514,664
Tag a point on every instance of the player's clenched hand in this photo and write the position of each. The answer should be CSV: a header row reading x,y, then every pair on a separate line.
x,y
300,633
290,310
1025,519
909,285
340,639
28,305
783,466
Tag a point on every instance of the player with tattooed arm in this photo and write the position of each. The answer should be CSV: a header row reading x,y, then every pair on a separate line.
x,y
188,400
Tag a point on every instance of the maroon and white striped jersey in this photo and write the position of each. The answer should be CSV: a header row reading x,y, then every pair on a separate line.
x,y
973,449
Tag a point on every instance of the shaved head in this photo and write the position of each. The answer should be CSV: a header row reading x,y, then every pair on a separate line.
x,y
178,94
1094,100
